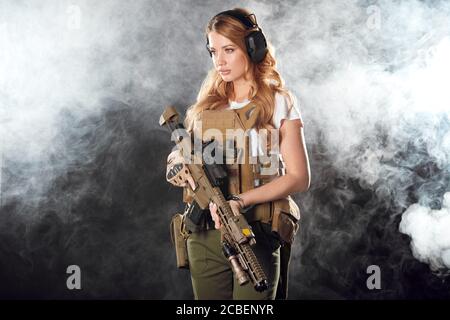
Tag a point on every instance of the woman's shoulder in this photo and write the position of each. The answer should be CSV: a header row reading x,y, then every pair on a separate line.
x,y
285,108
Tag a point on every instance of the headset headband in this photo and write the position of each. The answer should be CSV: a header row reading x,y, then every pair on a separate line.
x,y
244,19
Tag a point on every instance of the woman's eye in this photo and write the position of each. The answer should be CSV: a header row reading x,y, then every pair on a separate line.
x,y
226,50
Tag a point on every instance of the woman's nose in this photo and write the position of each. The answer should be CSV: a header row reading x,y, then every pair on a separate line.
x,y
220,59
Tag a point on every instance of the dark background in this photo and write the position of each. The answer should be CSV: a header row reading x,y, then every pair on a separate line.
x,y
82,157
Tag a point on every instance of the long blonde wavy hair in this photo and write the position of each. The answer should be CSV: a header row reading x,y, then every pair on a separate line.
x,y
215,92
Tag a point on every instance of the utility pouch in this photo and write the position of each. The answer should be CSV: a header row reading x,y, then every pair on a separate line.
x,y
179,237
285,218
196,219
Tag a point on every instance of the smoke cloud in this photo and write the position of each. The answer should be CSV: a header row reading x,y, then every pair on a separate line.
x,y
428,230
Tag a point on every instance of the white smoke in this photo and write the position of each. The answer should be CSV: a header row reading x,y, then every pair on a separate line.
x,y
429,232
58,62
357,68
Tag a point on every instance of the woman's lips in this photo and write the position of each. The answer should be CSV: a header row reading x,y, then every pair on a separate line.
x,y
224,72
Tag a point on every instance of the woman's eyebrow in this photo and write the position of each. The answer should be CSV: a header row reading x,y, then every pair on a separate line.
x,y
228,45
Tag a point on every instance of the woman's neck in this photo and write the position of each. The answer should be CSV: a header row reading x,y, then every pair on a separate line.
x,y
241,90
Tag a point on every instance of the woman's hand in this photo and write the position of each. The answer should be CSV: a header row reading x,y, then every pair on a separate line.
x,y
235,207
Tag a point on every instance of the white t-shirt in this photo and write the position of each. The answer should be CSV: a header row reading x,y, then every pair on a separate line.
x,y
281,112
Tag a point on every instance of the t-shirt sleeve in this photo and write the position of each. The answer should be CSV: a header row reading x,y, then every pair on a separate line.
x,y
282,111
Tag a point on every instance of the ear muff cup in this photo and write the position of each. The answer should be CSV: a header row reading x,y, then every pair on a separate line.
x,y
256,46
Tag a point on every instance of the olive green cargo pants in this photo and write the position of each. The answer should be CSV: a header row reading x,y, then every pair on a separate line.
x,y
211,274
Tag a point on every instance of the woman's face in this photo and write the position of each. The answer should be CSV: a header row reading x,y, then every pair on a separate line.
x,y
229,60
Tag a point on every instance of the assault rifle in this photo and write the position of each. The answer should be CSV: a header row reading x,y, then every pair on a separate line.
x,y
206,183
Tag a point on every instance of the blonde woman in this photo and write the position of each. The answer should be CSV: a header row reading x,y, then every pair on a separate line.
x,y
244,91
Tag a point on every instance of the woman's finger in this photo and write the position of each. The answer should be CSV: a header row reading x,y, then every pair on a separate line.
x,y
214,215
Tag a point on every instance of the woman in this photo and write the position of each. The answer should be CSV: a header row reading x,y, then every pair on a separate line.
x,y
244,78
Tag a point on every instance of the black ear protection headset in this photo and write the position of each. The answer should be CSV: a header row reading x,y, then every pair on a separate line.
x,y
255,42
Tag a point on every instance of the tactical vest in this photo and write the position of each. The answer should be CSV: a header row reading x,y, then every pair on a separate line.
x,y
244,175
